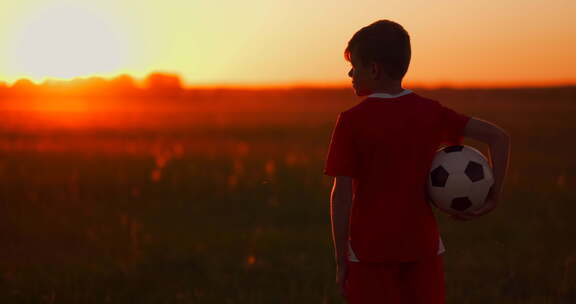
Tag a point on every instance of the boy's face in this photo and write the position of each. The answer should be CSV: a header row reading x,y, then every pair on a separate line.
x,y
362,76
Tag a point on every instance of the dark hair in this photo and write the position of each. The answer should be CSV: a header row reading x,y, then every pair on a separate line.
x,y
385,42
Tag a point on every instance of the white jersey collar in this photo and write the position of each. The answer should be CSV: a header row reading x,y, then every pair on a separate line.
x,y
386,95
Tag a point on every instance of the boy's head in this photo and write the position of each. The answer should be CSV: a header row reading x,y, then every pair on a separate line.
x,y
380,55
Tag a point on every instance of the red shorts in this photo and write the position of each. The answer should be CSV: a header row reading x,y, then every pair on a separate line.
x,y
395,283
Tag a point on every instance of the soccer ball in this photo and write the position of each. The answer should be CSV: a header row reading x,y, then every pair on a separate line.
x,y
459,180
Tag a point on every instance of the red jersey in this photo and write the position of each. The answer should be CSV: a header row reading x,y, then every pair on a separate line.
x,y
387,146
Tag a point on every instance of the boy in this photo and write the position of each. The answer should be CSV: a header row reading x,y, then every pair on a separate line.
x,y
387,245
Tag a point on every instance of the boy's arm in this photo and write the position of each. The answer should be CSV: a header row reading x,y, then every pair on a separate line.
x,y
499,143
340,203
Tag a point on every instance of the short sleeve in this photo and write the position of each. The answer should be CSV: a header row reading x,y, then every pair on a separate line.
x,y
342,157
453,125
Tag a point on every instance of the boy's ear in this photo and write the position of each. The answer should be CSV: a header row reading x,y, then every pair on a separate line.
x,y
376,71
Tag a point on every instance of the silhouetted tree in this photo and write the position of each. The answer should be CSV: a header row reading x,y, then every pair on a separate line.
x,y
164,85
23,88
123,86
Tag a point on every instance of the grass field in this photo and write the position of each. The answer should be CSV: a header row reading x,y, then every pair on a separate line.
x,y
220,198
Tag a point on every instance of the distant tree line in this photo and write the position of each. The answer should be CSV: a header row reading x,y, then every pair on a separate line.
x,y
154,85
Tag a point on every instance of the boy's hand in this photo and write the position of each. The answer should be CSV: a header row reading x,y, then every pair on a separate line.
x,y
492,201
341,274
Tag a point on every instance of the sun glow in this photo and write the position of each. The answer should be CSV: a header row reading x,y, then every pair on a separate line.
x,y
66,41
285,43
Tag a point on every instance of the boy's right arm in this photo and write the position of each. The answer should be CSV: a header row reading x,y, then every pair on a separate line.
x,y
499,143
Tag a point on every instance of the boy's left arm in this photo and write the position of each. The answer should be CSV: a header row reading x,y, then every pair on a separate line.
x,y
342,164
340,205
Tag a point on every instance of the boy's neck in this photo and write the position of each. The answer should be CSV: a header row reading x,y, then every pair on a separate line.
x,y
391,89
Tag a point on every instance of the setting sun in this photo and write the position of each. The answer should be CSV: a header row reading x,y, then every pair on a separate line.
x,y
66,41
285,43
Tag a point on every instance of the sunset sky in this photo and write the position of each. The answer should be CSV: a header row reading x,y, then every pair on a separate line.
x,y
296,42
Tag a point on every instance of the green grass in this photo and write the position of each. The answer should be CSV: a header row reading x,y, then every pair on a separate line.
x,y
240,214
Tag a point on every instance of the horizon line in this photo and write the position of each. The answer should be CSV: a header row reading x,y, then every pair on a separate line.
x,y
139,81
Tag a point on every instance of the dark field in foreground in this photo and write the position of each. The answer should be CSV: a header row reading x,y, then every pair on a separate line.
x,y
221,199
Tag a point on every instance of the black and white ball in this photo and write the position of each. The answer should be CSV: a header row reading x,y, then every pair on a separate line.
x,y
459,180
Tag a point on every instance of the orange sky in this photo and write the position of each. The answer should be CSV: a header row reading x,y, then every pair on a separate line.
x,y
263,42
